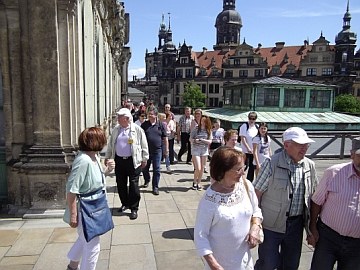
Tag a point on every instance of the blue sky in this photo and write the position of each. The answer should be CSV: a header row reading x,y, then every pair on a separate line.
x,y
264,22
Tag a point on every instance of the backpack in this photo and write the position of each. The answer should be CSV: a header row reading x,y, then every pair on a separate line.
x,y
247,127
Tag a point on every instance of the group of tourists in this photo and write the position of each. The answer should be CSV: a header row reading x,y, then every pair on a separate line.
x,y
279,197
283,199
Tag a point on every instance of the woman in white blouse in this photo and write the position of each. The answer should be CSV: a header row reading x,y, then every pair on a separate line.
x,y
228,221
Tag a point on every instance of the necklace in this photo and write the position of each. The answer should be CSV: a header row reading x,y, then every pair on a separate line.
x,y
227,188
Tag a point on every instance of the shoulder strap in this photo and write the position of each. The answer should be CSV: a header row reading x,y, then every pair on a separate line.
x,y
246,187
97,190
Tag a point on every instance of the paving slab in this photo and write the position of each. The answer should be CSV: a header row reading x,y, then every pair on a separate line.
x,y
131,235
30,242
164,222
179,239
178,260
52,257
8,237
132,257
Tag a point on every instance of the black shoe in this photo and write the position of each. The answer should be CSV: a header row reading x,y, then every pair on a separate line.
x,y
156,191
133,214
194,186
188,163
122,209
146,184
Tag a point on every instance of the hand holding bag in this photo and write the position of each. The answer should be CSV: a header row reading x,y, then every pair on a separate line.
x,y
96,216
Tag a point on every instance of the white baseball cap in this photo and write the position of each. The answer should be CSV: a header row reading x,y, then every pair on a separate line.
x,y
297,135
125,112
356,145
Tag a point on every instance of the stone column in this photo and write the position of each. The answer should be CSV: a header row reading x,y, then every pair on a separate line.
x,y
43,165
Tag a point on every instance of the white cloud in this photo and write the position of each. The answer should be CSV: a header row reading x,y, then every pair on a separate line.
x,y
138,72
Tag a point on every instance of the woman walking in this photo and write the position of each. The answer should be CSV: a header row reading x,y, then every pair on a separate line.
x,y
200,139
86,177
261,147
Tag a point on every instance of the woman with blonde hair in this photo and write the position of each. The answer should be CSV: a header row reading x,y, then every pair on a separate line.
x,y
200,138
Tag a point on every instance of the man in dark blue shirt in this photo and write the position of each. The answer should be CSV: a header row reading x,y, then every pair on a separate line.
x,y
155,134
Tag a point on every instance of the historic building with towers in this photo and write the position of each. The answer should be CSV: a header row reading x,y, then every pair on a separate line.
x,y
63,68
232,61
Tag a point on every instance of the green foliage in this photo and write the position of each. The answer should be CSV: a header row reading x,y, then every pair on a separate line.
x,y
193,97
347,103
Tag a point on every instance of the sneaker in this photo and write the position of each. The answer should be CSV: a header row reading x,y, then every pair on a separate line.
x,y
205,170
194,186
168,170
156,191
199,187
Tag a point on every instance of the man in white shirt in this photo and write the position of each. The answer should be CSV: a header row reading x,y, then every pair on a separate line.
x,y
247,132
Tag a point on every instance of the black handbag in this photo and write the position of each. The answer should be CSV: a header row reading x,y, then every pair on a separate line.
x,y
96,216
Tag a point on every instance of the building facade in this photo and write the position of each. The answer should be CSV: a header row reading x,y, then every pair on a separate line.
x,y
232,62
63,68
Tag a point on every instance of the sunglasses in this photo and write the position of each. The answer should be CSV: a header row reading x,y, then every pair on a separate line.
x,y
252,118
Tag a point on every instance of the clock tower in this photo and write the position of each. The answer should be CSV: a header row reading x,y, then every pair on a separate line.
x,y
228,24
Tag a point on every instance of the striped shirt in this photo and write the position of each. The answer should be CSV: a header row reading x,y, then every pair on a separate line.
x,y
185,122
339,195
296,177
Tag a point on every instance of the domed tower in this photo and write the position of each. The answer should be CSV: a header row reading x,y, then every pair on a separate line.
x,y
228,24
345,44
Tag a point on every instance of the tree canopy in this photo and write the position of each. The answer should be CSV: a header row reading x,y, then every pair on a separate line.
x,y
192,96
347,103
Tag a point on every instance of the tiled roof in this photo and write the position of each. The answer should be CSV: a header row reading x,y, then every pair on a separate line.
x,y
283,56
287,55
204,59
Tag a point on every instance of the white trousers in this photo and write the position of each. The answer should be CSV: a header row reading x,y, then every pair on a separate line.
x,y
87,252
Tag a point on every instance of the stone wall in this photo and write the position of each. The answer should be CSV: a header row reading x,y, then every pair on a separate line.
x,y
64,68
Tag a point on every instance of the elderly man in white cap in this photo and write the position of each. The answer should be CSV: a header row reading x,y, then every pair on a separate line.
x,y
284,186
335,216
128,146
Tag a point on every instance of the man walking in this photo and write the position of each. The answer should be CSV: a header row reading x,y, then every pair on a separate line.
x,y
155,134
128,146
335,216
183,132
284,186
247,132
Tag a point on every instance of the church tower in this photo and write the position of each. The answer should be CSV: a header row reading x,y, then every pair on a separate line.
x,y
345,44
228,24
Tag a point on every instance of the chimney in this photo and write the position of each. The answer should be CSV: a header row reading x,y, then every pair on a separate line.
x,y
259,45
190,48
279,45
306,43
204,50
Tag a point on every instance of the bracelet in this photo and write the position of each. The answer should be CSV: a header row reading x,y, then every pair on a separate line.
x,y
257,224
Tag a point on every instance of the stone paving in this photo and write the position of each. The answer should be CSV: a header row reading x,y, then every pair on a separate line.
x,y
160,239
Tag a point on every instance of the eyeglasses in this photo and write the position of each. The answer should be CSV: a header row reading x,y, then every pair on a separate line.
x,y
252,118
240,170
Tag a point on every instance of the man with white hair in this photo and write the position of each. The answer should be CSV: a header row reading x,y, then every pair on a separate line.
x,y
128,147
284,186
335,216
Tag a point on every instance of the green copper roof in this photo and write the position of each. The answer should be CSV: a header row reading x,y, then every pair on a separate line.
x,y
291,118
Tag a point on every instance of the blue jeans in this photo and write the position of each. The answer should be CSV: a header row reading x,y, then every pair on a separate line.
x,y
290,243
155,160
333,247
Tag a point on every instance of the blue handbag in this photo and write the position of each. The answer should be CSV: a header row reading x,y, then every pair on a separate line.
x,y
95,214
